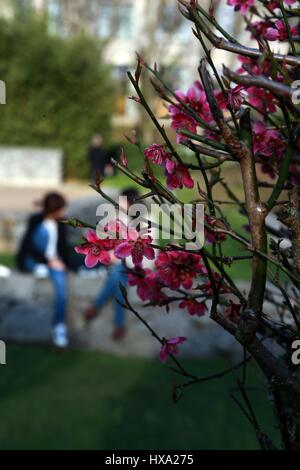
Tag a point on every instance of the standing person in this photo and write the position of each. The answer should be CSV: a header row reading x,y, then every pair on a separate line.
x,y
116,274
98,158
43,251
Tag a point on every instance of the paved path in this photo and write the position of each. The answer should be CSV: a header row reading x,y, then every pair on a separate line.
x,y
15,199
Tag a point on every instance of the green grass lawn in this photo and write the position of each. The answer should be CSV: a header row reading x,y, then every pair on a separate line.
x,y
89,400
7,259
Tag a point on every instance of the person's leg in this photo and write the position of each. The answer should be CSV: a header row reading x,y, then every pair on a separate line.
x,y
60,336
59,280
120,277
107,290
111,289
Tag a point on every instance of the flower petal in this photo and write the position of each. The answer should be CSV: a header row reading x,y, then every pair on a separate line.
x,y
149,252
123,250
163,355
104,257
91,237
91,260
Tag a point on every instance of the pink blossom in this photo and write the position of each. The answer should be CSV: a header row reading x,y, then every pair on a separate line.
x,y
149,286
235,97
176,268
267,142
158,155
261,99
194,307
195,98
211,236
256,67
260,28
95,249
179,177
170,347
180,120
279,32
241,5
273,4
135,246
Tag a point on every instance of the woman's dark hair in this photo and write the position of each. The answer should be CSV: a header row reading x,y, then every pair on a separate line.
x,y
53,202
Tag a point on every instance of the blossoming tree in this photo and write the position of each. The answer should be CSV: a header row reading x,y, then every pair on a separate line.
x,y
245,118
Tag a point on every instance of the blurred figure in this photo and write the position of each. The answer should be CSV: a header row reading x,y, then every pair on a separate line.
x,y
116,274
43,253
98,159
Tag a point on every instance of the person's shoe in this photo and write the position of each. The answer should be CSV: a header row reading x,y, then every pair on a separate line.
x,y
118,333
60,337
90,313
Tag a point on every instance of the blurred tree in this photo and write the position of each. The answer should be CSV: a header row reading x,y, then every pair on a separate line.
x,y
58,91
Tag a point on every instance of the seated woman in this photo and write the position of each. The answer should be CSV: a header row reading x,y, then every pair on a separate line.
x,y
43,251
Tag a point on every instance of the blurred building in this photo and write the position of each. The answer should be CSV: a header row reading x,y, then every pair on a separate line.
x,y
155,29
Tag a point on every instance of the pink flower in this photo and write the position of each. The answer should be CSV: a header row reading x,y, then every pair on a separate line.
x,y
135,246
149,286
179,177
267,142
195,98
273,4
170,347
176,268
241,5
180,120
235,97
261,99
279,32
158,155
256,67
194,307
95,249
260,28
210,235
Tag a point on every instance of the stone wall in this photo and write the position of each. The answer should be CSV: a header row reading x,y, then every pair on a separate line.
x,y
26,311
30,167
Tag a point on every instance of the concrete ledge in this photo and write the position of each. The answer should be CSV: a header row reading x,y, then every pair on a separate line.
x,y
26,314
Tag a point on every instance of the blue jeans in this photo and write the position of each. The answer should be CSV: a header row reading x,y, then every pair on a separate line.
x,y
111,289
58,278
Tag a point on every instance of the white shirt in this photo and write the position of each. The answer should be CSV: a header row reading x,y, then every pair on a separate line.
x,y
52,229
